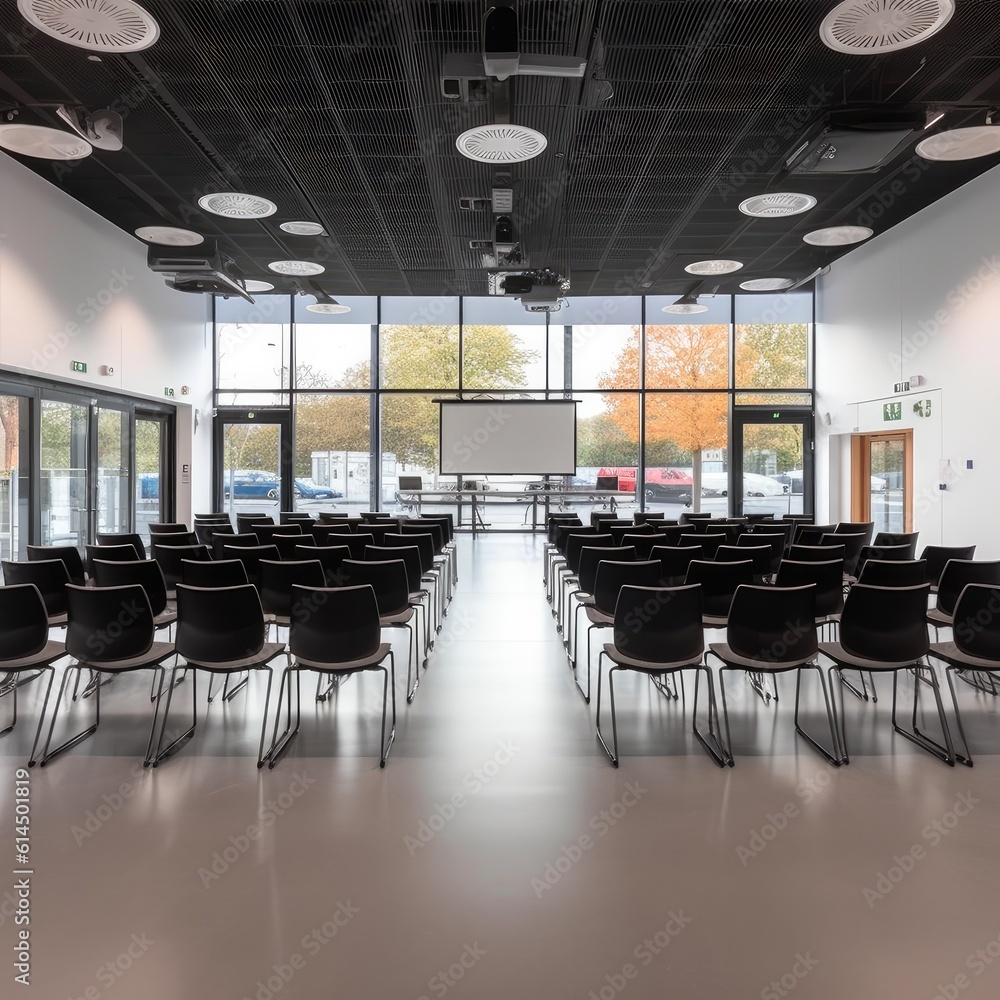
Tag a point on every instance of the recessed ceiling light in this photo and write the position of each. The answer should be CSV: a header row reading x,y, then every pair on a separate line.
x,y
501,143
43,143
961,143
300,268
169,236
871,27
713,267
235,205
767,284
686,305
777,205
98,25
302,228
837,236
327,306
253,285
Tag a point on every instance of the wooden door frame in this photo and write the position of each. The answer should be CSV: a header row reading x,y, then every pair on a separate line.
x,y
861,473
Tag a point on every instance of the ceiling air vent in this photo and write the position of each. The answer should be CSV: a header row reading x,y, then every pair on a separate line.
x,y
501,143
871,27
97,25
777,205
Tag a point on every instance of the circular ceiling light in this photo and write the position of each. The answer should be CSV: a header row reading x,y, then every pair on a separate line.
x,y
43,143
961,143
327,306
235,205
169,236
713,267
777,205
871,27
686,305
253,285
98,25
501,143
302,228
767,284
298,268
837,236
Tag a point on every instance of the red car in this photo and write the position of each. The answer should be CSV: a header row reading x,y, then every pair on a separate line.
x,y
661,484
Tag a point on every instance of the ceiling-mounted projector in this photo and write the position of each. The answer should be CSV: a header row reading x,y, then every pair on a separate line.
x,y
201,270
102,129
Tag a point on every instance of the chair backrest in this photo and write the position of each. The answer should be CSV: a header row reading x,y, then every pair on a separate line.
x,y
296,516
276,580
206,531
958,574
379,529
853,546
287,544
444,520
674,561
660,624
220,517
410,555
773,625
246,522
908,538
893,572
759,556
643,543
977,621
563,531
769,529
816,553
323,534
172,538
775,540
811,534
827,577
885,623
168,528
145,573
170,557
689,516
213,573
330,557
576,542
856,528
49,576
644,516
265,532
937,556
24,624
709,542
107,623
67,553
618,532
418,526
109,553
368,516
719,582
250,556
671,533
387,578
424,544
123,538
613,575
218,625
567,520
885,553
223,541
590,559
334,625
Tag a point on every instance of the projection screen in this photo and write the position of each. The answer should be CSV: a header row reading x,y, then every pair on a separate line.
x,y
508,437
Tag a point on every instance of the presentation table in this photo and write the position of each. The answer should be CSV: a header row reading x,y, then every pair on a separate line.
x,y
562,499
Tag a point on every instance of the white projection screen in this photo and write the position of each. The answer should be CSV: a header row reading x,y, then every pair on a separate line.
x,y
508,437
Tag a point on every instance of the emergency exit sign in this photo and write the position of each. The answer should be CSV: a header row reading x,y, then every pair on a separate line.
x,y
892,411
79,366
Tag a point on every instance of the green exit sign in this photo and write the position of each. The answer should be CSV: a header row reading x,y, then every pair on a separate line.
x,y
892,411
79,366
167,391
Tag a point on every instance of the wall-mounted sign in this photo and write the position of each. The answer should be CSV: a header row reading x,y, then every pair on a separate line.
x,y
892,411
79,366
922,408
167,391
901,387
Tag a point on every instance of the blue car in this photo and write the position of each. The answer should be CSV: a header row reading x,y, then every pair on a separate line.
x,y
308,490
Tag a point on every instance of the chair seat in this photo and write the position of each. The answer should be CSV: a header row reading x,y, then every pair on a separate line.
x,y
347,666
165,618
646,666
950,653
52,650
399,618
267,653
714,621
282,621
58,621
939,619
598,617
725,653
845,658
417,596
157,653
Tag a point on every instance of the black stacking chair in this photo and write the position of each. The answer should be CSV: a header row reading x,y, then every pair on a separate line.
x,y
330,557
25,646
300,517
884,553
759,556
430,573
618,532
443,555
644,516
168,528
883,629
856,528
221,542
568,574
276,582
957,575
144,573
250,556
658,633
826,577
557,557
853,546
287,544
674,561
773,630
590,559
219,517
336,632
893,572
776,540
643,543
265,532
690,516
210,574
379,529
709,542
67,553
123,538
671,533
109,553
221,630
890,538
246,523
170,558
811,534
817,553
50,577
97,647
937,556
719,581
410,555
329,534
206,532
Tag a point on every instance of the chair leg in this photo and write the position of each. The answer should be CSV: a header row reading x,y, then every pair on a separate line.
x,y
261,758
175,745
612,754
388,687
11,689
834,756
41,715
280,744
228,695
711,740
47,755
965,758
834,672
586,694
159,673
727,746
863,693
945,753
410,659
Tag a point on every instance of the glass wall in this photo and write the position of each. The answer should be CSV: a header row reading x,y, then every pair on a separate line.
x,y
657,391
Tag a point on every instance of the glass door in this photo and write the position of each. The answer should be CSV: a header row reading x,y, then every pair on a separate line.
x,y
65,435
772,473
15,477
254,458
110,511
882,480
151,481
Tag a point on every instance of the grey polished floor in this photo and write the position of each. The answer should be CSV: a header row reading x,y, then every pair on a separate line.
x,y
498,855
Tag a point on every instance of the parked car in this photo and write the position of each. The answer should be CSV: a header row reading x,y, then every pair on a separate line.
x,y
309,490
716,484
247,483
672,485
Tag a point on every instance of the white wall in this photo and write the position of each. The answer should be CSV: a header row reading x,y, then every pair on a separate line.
x,y
73,287
922,299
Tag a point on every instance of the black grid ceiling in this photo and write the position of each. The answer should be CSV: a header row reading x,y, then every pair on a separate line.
x,y
334,111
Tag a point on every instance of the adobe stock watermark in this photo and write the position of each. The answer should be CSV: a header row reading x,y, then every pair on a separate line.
x,y
786,983
447,978
601,823
462,451
977,962
282,973
267,816
473,782
112,971
933,833
644,953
